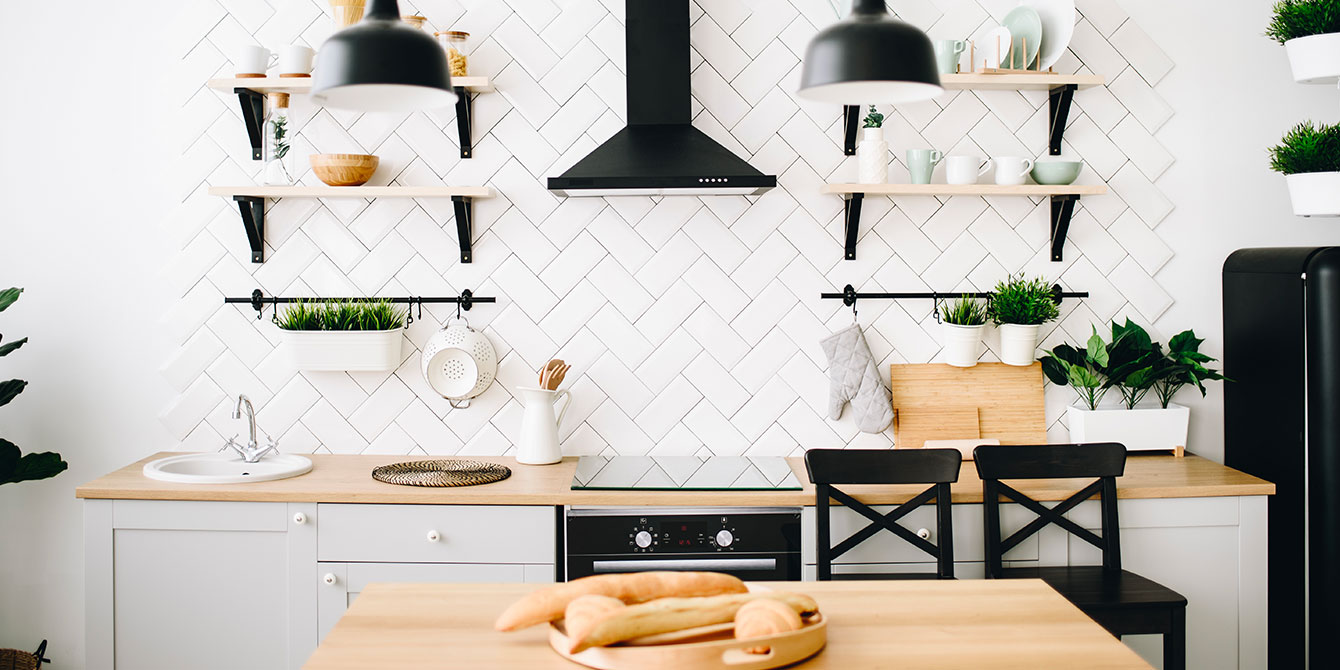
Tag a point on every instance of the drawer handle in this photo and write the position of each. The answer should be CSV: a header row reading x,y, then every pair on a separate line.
x,y
923,533
330,579
434,536
300,518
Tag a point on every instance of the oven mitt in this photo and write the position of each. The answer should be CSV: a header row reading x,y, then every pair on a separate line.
x,y
853,376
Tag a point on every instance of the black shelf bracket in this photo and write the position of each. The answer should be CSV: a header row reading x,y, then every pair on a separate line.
x,y
465,121
850,115
1063,207
465,224
851,217
253,114
1058,106
253,221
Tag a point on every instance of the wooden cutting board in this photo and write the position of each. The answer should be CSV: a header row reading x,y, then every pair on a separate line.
x,y
941,402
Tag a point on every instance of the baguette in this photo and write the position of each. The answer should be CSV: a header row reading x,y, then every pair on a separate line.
x,y
764,617
548,604
671,614
583,613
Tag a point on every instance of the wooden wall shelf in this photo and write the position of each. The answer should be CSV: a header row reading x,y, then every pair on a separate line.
x,y
1063,200
251,94
251,203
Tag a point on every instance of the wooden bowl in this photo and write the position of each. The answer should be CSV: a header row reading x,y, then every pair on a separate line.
x,y
344,169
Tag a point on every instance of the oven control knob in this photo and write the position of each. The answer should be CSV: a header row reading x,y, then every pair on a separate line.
x,y
724,538
643,539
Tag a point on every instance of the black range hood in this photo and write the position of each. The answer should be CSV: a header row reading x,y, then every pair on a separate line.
x,y
659,152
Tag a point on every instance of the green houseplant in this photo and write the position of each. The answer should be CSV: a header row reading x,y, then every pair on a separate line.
x,y
1309,158
963,319
1019,307
357,335
872,154
16,466
1310,33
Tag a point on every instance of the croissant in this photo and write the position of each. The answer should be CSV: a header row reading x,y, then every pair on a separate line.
x,y
584,612
761,618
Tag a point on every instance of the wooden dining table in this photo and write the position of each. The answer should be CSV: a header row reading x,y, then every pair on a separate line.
x,y
978,624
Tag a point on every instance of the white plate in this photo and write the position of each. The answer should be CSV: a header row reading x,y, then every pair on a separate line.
x,y
986,53
1058,26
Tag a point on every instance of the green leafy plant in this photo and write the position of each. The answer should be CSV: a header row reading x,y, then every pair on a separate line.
x,y
1183,365
874,119
1133,362
1083,370
279,132
1022,301
1307,147
342,315
964,311
14,465
1300,18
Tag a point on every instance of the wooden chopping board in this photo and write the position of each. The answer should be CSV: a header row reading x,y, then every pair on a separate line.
x,y
989,400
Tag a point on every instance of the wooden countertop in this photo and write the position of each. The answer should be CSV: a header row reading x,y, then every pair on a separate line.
x,y
981,624
347,479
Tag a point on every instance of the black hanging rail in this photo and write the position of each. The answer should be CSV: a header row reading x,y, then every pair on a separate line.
x,y
466,300
849,295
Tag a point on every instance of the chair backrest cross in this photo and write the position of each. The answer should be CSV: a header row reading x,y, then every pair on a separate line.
x,y
936,467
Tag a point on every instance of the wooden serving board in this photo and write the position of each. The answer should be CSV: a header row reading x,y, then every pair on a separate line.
x,y
989,400
719,650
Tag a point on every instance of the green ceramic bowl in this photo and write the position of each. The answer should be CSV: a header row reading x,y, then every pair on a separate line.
x,y
1056,173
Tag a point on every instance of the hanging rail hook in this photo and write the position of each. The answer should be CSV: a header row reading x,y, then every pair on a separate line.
x,y
467,300
258,303
409,311
935,305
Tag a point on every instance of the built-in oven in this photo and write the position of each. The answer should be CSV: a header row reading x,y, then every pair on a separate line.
x,y
752,543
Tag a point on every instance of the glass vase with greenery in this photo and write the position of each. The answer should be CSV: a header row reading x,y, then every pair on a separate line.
x,y
16,466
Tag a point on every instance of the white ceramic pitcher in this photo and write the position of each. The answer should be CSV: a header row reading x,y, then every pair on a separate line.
x,y
539,427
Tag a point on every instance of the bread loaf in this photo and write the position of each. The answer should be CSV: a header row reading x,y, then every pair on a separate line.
x,y
764,617
671,614
547,604
584,612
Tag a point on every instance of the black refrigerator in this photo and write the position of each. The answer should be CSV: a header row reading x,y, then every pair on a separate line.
x,y
1282,423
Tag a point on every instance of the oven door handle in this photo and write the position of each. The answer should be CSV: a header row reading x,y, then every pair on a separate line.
x,y
709,564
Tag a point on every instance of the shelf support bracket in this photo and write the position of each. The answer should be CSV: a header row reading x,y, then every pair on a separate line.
x,y
1058,106
465,120
253,221
851,215
465,225
1063,207
850,115
253,114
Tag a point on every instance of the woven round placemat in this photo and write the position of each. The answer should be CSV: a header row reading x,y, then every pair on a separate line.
x,y
443,472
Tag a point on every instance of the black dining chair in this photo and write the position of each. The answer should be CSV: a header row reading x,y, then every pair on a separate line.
x,y
936,467
1119,600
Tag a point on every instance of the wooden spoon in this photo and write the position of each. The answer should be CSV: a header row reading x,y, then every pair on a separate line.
x,y
556,377
548,370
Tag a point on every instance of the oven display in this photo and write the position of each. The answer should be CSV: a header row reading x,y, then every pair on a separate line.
x,y
685,533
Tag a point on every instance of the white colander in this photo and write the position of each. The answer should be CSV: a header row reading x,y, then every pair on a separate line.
x,y
459,363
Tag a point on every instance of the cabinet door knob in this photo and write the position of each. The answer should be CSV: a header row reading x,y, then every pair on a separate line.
x,y
300,518
434,536
329,579
923,533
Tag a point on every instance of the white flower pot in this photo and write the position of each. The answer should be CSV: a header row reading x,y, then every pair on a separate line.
x,y
1018,344
1314,193
872,157
352,350
1315,59
1139,429
963,344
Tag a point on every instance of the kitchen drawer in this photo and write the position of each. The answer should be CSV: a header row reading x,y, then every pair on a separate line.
x,y
436,533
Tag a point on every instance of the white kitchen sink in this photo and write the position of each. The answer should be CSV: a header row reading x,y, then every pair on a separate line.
x,y
225,468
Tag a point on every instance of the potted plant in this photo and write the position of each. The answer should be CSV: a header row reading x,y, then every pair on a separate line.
x,y
964,320
1310,33
1309,159
1019,307
872,154
359,335
14,465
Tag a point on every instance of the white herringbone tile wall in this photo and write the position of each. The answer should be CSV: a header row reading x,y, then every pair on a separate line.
x,y
692,324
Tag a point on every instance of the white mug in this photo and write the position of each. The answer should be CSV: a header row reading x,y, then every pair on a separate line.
x,y
1011,170
965,169
253,60
296,59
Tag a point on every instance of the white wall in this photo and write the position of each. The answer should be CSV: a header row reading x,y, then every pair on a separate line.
x,y
92,229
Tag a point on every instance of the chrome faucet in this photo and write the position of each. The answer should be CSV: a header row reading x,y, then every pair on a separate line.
x,y
252,451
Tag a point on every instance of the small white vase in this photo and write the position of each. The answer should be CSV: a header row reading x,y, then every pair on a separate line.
x,y
1018,344
1315,59
872,157
1314,193
538,443
963,344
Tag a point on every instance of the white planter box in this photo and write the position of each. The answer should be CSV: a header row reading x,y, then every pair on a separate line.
x,y
1314,193
1315,59
1139,429
352,350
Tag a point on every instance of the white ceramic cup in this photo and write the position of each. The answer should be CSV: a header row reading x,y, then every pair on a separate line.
x,y
965,169
1012,170
252,59
296,59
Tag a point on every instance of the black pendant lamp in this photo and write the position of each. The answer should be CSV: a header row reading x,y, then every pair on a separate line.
x,y
382,64
870,57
